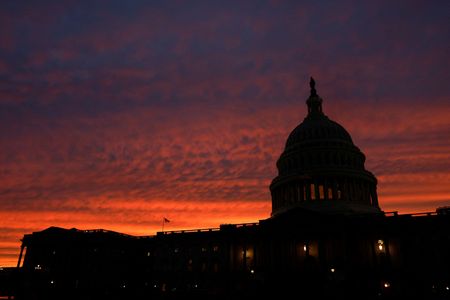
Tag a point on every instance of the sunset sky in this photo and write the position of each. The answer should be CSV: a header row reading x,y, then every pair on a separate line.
x,y
115,114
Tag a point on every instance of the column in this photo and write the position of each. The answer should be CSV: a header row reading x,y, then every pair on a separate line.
x,y
353,187
325,189
300,192
366,193
374,196
296,193
20,255
303,186
334,190
316,190
308,191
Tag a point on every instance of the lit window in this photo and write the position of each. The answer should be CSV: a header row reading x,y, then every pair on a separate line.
x,y
330,193
313,192
216,248
249,253
321,192
380,245
203,249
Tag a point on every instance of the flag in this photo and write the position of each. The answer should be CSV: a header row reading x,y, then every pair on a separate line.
x,y
166,220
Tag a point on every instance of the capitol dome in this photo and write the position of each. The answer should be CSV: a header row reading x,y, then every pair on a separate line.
x,y
321,169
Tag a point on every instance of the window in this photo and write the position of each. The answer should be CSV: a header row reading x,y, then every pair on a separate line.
x,y
321,192
313,191
381,246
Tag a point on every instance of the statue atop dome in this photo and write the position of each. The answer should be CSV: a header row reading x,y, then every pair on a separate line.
x,y
314,102
312,84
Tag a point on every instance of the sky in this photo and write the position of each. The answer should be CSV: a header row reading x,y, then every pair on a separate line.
x,y
115,114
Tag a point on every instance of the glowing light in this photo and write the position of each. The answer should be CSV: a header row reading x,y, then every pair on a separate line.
x,y
51,281
447,288
38,267
252,271
380,245
332,270
387,284
305,248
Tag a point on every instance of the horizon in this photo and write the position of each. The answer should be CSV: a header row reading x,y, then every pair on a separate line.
x,y
117,116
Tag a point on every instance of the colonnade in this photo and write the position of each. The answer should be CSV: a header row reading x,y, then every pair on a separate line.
x,y
352,189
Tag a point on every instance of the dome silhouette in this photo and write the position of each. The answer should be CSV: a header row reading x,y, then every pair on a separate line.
x,y
321,169
315,130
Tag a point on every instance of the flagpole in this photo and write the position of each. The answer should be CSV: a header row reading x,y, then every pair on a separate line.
x,y
163,224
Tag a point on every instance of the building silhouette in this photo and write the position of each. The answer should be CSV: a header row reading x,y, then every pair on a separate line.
x,y
326,238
